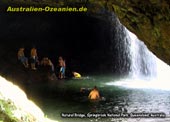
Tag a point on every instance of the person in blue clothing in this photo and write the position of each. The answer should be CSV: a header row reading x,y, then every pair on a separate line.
x,y
62,66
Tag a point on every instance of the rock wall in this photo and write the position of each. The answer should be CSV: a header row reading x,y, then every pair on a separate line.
x,y
149,20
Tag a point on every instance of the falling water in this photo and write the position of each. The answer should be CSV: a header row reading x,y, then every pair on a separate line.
x,y
144,62
144,69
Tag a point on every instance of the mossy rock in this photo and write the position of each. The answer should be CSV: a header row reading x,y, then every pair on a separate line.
x,y
6,108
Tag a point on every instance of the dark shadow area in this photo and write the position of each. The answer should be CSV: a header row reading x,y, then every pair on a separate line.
x,y
82,40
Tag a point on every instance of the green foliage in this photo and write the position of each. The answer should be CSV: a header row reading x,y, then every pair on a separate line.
x,y
6,108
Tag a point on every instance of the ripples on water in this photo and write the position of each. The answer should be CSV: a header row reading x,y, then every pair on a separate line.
x,y
64,96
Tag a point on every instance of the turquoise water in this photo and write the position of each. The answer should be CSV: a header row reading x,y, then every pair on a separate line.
x,y
64,96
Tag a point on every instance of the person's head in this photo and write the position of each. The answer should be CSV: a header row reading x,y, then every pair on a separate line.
x,y
95,87
49,62
45,58
34,48
22,48
73,72
60,58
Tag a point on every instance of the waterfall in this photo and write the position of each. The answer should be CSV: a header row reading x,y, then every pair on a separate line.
x,y
131,55
134,58
144,64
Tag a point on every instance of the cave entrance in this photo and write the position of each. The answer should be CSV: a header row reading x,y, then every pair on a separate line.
x,y
84,41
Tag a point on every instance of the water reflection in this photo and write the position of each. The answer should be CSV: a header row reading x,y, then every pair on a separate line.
x,y
65,96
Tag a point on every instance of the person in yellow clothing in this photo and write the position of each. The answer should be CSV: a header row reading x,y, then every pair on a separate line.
x,y
94,94
76,75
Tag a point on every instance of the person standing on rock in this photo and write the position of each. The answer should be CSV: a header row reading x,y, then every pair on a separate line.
x,y
62,66
22,58
51,71
34,58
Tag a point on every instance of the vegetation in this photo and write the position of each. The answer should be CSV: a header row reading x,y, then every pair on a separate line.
x,y
149,20
6,108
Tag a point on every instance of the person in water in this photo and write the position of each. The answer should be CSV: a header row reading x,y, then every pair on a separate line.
x,y
22,58
76,75
34,58
94,94
62,66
